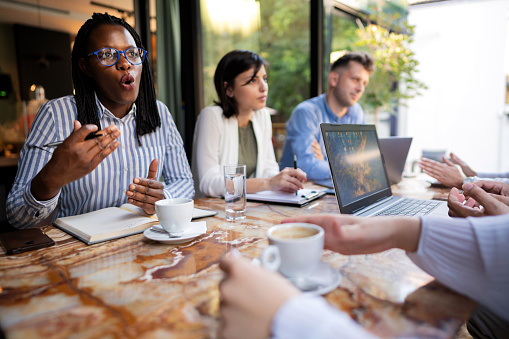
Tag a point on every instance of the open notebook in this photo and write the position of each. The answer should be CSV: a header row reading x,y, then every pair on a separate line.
x,y
113,222
360,177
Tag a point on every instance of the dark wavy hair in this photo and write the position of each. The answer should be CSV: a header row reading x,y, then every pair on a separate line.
x,y
147,114
363,58
231,65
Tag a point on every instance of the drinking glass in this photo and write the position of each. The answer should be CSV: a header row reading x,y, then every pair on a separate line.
x,y
235,192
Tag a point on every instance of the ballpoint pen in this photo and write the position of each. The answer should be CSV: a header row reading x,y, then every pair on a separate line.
x,y
295,167
56,143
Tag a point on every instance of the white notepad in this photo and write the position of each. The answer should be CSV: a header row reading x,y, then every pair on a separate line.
x,y
303,197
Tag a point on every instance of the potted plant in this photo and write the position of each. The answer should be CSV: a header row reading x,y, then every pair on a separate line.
x,y
388,38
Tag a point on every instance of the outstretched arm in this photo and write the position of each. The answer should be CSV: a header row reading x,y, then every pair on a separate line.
x,y
355,235
463,254
469,172
446,173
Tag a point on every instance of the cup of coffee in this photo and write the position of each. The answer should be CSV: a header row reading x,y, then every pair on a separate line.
x,y
295,249
175,215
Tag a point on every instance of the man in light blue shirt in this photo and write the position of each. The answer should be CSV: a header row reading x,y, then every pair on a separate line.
x,y
348,78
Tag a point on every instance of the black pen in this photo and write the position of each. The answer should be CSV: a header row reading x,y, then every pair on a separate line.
x,y
295,167
88,137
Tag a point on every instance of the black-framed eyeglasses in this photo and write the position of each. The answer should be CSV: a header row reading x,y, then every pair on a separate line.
x,y
110,56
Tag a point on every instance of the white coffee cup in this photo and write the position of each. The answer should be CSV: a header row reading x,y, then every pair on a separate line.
x,y
295,249
175,215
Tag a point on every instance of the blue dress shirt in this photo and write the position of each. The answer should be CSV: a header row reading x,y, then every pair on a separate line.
x,y
304,126
107,184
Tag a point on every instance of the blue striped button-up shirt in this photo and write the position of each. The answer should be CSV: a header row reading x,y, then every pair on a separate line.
x,y
107,184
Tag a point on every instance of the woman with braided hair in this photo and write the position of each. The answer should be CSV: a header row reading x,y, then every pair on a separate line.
x,y
118,140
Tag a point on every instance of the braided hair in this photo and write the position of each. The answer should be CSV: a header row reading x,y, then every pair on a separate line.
x,y
147,114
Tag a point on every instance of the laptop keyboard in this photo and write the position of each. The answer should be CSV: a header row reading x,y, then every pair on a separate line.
x,y
410,207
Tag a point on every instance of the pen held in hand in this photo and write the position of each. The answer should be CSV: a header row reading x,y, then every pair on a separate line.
x,y
57,143
295,166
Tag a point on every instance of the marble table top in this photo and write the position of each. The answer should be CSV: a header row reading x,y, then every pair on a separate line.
x,y
134,287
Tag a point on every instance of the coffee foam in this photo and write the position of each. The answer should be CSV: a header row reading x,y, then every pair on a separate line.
x,y
295,232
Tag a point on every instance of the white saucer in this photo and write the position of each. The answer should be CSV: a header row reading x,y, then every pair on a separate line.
x,y
157,233
323,280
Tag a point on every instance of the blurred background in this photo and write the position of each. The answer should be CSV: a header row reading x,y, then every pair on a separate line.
x,y
442,66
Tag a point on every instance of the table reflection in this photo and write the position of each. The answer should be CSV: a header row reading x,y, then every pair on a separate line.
x,y
136,287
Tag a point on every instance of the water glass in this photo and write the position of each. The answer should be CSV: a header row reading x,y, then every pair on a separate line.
x,y
235,192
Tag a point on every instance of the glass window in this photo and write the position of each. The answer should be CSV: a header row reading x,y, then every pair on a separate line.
x,y
278,30
340,37
226,25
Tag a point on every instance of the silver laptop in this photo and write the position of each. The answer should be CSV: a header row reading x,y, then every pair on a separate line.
x,y
395,151
360,177
324,182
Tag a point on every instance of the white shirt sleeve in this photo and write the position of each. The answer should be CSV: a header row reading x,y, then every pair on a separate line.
x,y
493,175
469,256
305,316
485,177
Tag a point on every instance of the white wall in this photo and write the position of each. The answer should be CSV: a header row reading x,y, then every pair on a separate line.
x,y
461,47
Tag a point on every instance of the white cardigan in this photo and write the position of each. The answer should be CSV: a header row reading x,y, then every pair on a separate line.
x,y
216,143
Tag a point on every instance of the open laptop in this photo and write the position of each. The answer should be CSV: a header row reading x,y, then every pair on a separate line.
x,y
395,151
360,177
324,182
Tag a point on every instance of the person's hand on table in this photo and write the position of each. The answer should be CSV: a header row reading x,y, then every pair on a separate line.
x,y
447,173
347,234
479,199
315,146
144,192
288,180
250,296
74,159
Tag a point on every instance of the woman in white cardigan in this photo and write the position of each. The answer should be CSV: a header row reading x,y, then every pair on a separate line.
x,y
237,129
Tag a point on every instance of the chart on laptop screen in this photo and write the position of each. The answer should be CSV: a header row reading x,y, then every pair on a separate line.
x,y
357,164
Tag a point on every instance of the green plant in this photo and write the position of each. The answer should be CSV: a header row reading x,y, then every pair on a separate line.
x,y
388,38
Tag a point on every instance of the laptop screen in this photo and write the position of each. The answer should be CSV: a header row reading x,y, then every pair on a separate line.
x,y
356,164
